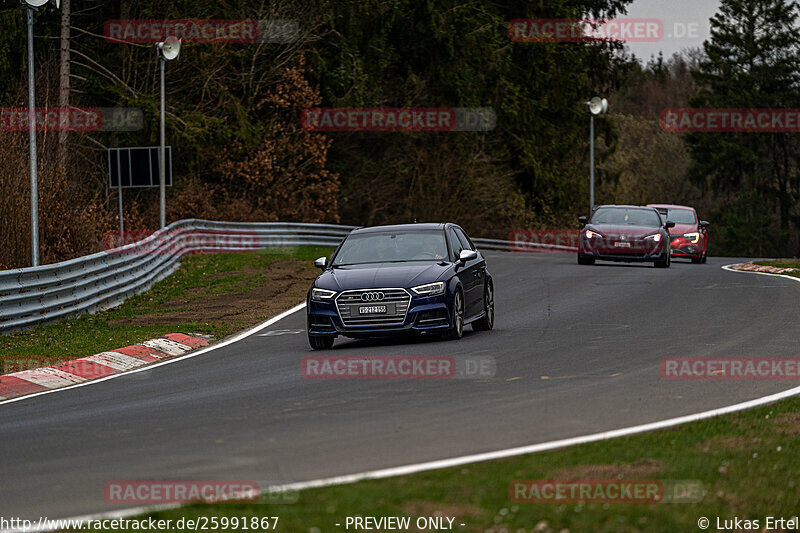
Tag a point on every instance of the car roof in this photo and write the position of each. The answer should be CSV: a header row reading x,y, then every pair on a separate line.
x,y
671,206
625,206
403,227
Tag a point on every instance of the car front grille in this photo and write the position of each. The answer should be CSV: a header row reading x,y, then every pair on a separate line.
x,y
396,300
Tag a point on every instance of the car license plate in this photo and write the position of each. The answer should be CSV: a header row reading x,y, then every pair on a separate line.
x,y
372,310
622,244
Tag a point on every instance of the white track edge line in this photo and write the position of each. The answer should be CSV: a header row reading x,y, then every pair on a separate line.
x,y
175,359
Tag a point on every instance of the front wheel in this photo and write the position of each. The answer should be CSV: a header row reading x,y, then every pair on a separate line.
x,y
583,260
456,331
663,263
487,322
321,342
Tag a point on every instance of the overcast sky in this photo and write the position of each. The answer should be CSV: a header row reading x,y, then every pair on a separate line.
x,y
685,24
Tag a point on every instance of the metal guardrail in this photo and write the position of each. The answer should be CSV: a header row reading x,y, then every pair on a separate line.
x,y
36,295
510,246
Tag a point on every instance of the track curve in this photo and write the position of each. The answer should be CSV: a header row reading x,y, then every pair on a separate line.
x,y
577,351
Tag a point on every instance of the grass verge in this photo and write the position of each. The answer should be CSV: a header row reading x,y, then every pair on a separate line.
x,y
211,294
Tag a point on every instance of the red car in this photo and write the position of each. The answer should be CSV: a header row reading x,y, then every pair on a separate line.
x,y
625,233
689,237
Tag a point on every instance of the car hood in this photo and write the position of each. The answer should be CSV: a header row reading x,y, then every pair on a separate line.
x,y
382,275
630,231
680,229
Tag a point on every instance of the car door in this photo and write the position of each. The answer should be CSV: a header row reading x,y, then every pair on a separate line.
x,y
463,272
479,272
471,274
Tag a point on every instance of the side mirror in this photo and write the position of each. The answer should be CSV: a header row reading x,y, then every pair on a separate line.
x,y
704,223
669,224
583,220
467,255
322,262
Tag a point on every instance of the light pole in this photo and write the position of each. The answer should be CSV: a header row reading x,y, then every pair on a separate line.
x,y
167,51
31,7
595,106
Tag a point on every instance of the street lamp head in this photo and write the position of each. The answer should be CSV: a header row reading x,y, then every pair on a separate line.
x,y
39,3
169,49
597,106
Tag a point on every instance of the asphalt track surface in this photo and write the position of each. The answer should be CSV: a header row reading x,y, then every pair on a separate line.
x,y
577,351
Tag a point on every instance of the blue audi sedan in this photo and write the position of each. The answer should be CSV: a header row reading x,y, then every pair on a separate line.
x,y
402,279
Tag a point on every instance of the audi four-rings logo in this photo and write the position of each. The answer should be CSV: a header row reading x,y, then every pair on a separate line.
x,y
372,296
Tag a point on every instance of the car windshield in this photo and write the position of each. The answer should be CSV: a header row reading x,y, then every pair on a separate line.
x,y
397,246
625,216
681,216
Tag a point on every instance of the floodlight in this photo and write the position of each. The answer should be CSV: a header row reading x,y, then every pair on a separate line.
x,y
597,106
169,49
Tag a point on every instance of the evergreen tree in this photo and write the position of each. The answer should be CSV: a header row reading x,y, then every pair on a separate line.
x,y
752,61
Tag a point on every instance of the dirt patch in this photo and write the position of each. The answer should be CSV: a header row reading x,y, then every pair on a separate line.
x,y
729,442
638,470
443,509
788,423
281,284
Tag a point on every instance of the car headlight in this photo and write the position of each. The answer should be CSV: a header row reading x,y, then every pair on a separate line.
x,y
656,237
429,289
694,237
321,294
591,234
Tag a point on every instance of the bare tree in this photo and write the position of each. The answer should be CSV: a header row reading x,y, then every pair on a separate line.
x,y
63,79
